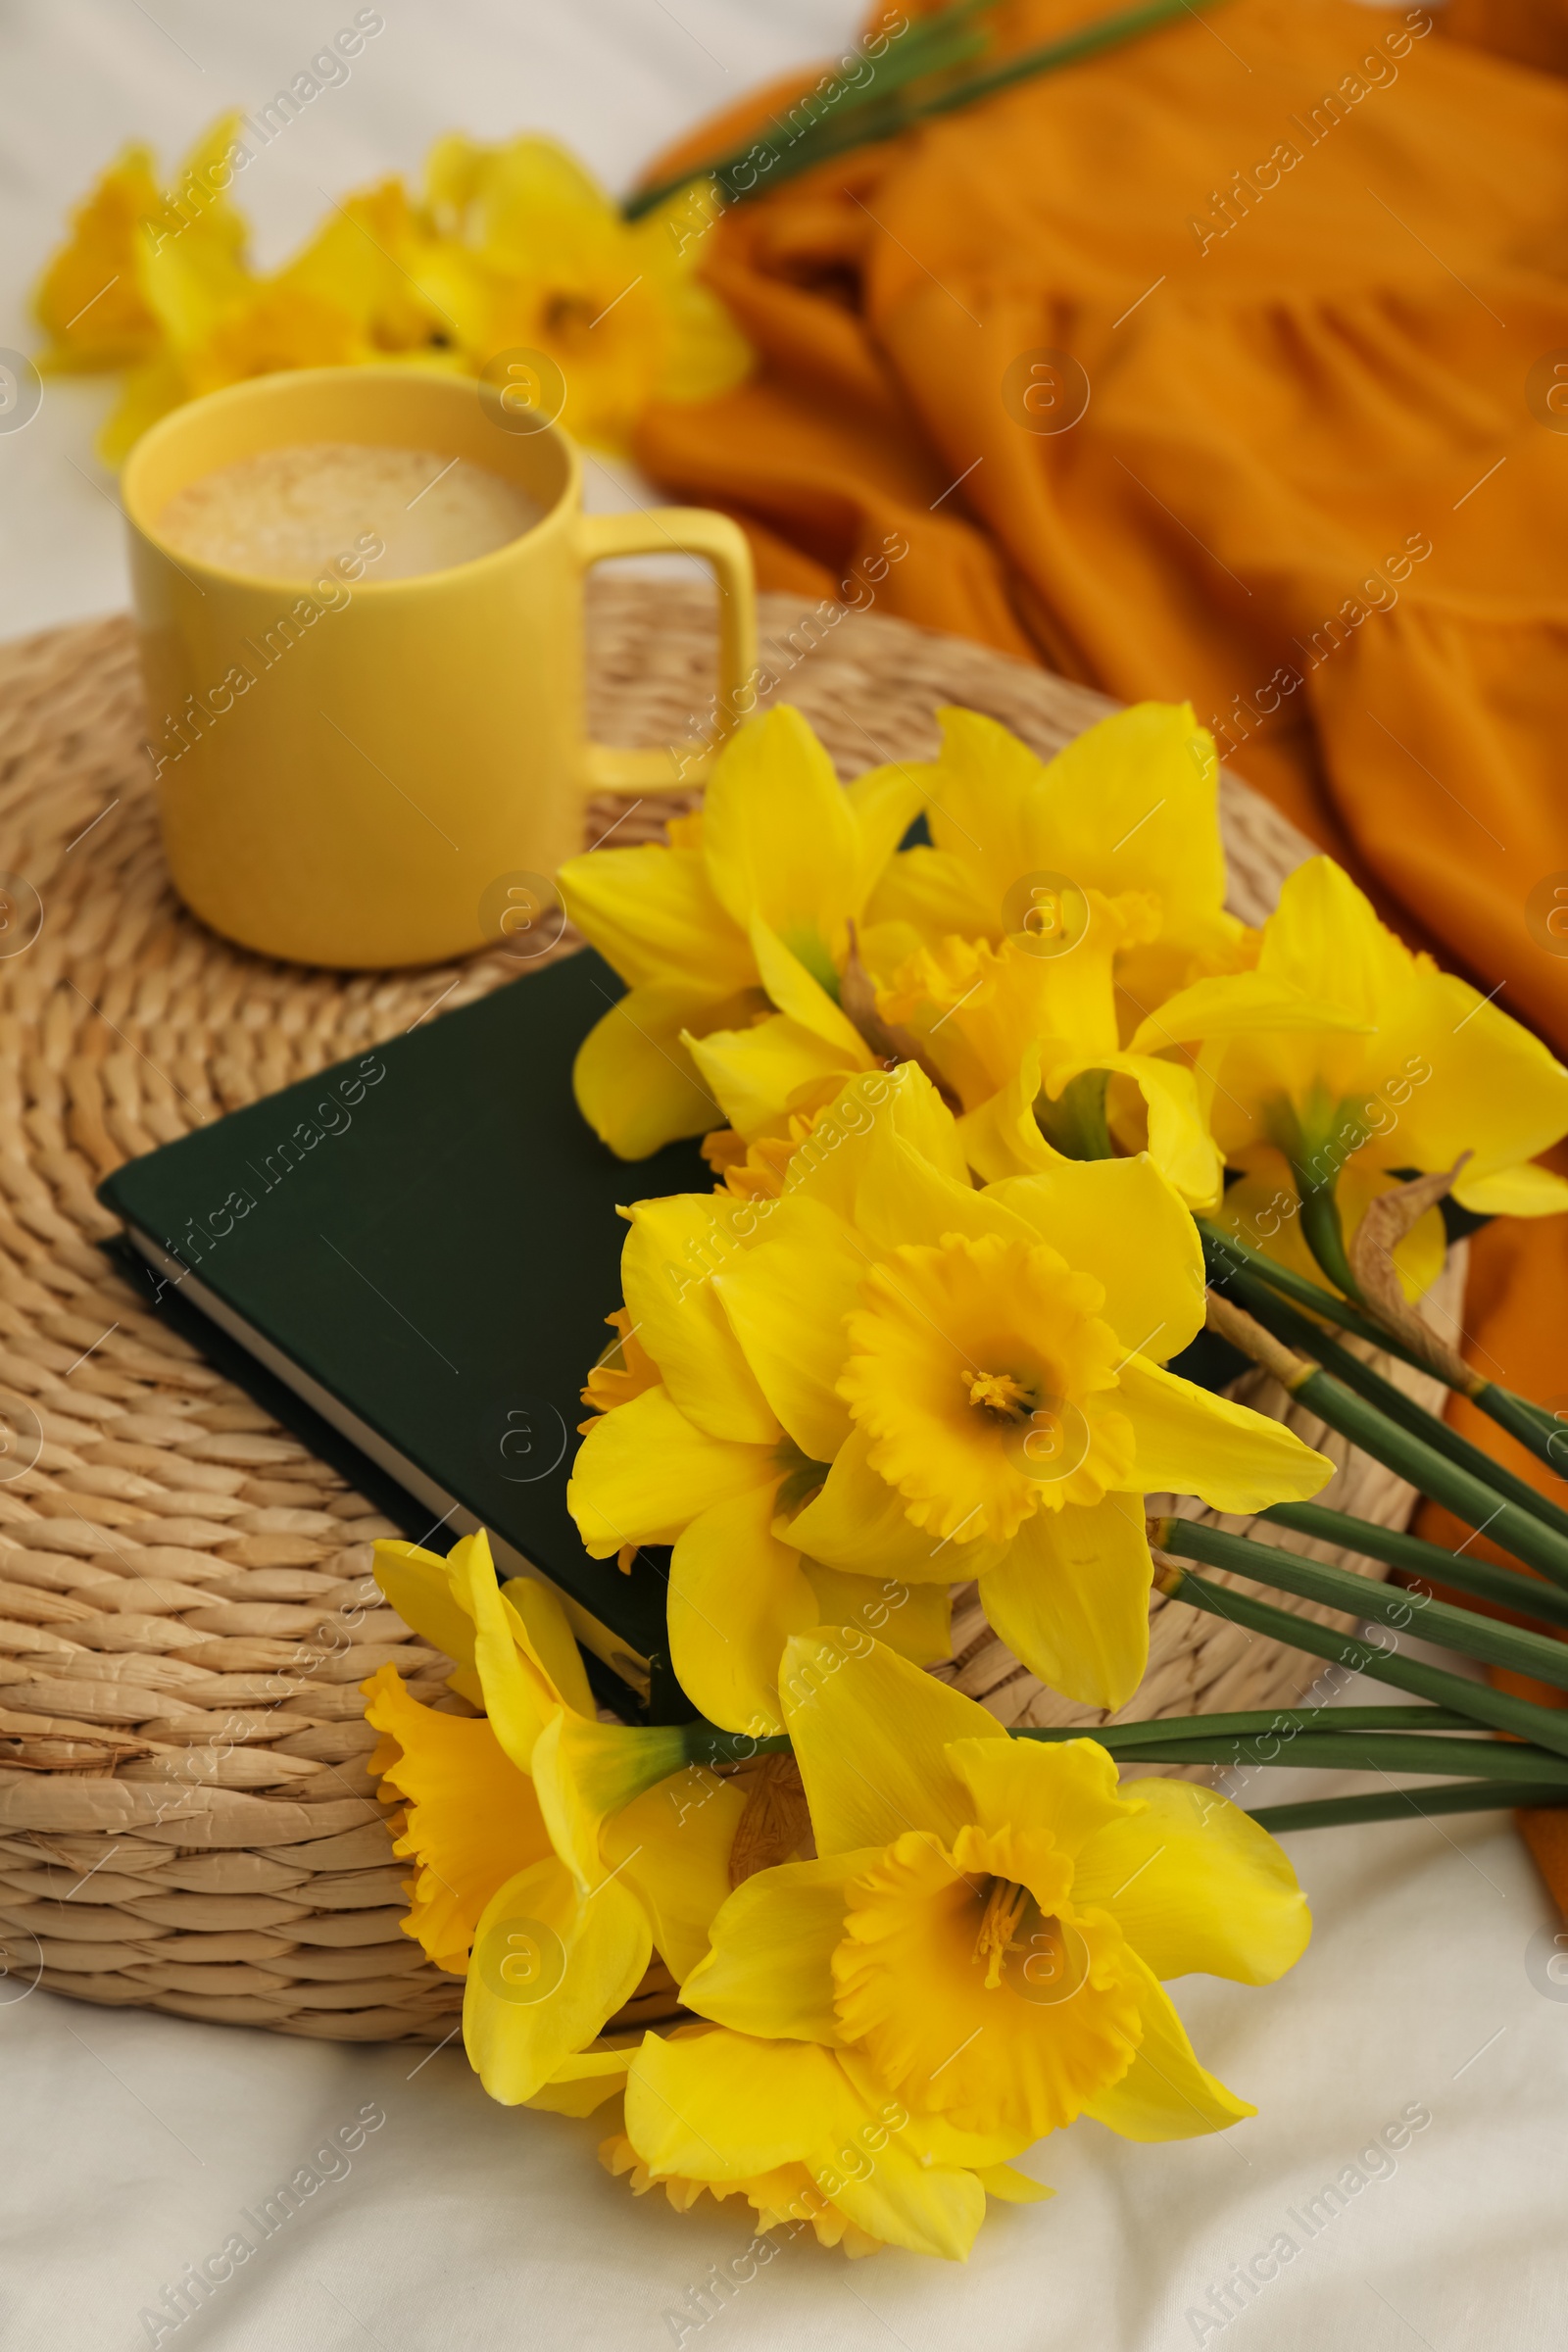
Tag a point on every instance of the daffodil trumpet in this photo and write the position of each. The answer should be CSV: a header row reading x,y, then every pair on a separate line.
x,y
1226,1254
1540,1656
1499,1710
1429,1467
1282,1320
1487,1579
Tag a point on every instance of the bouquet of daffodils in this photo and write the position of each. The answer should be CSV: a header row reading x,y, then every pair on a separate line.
x,y
1002,1118
504,250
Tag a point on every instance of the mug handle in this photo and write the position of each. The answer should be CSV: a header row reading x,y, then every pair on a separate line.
x,y
689,531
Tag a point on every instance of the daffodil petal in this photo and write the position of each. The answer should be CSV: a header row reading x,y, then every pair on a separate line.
x,y
1012,2187
915,1620
585,1771
1071,1783
904,1197
1235,1004
1071,1599
644,1472
1525,1191
1179,1142
549,1967
779,838
785,1302
1002,1137
673,1845
842,1161
758,1073
651,915
1190,1442
802,997
927,2209
551,1639
736,1594
1494,1089
769,1970
870,1732
933,891
583,2082
1193,1884
1121,1221
1132,804
1164,2094
667,1265
633,1078
519,1699
886,801
856,1522
724,2106
419,1585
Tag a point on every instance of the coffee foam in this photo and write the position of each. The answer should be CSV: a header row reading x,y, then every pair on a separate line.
x,y
288,513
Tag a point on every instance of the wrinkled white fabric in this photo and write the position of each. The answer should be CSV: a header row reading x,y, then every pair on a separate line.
x,y
136,2147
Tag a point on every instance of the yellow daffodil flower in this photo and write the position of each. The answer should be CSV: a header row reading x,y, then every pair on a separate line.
x,y
514,247
807,2133
973,1960
1129,805
744,918
1044,927
1026,1044
552,1853
91,299
886,1374
532,255
1422,1070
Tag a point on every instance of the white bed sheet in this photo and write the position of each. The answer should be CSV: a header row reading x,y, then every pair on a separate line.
x,y
135,2145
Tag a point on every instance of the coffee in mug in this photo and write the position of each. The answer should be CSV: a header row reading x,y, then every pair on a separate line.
x,y
367,759
288,513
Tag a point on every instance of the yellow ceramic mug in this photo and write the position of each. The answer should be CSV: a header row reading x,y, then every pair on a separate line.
x,y
357,773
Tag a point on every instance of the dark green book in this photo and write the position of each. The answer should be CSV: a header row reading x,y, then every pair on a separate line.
x,y
408,1260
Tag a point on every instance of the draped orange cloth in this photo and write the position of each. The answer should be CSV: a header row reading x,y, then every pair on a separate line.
x,y
1228,366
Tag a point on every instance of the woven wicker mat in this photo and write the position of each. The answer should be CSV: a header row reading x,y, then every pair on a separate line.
x,y
186,1818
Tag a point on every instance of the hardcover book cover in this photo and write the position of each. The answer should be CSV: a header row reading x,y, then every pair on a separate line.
x,y
409,1259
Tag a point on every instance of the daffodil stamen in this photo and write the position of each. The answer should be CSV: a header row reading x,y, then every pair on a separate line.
x,y
1005,1908
1002,1394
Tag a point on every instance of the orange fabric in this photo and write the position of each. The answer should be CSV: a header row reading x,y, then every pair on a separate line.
x,y
1515,1308
1313,261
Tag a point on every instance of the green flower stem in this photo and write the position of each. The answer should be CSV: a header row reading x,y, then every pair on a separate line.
x,y
1534,1427
932,45
1509,1588
1473,1500
1531,1424
1075,1123
1418,1729
1283,1319
1255,1721
1358,1751
1224,1256
1398,1804
705,1744
1475,1637
1500,1710
879,115
1324,1235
